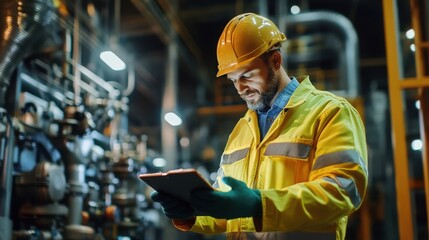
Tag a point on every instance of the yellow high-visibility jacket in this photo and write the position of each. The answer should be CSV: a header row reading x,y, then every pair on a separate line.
x,y
311,170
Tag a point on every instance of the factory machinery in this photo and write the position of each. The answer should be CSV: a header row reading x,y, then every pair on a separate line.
x,y
68,164
67,159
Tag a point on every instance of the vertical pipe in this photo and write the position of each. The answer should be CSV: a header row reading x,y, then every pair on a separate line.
x,y
169,133
262,8
76,54
281,9
116,21
6,178
169,103
67,48
76,175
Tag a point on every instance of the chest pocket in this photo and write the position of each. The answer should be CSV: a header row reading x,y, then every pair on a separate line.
x,y
285,164
233,163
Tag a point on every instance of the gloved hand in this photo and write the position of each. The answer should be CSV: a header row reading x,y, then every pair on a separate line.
x,y
240,201
173,207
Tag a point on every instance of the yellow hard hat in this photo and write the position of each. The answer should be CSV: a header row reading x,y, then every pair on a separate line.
x,y
245,37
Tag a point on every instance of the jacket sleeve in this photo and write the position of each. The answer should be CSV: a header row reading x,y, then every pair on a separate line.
x,y
337,180
202,224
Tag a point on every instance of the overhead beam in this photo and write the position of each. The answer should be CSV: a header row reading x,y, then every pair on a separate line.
x,y
161,25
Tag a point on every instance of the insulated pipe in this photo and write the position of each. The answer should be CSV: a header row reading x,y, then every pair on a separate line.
x,y
21,25
340,24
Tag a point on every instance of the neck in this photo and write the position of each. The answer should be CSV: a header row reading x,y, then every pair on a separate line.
x,y
284,80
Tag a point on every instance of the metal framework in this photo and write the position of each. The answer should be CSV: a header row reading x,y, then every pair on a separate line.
x,y
397,83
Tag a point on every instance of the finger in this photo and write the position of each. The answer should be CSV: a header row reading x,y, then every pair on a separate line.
x,y
178,215
206,197
208,207
154,195
159,197
172,203
205,209
179,211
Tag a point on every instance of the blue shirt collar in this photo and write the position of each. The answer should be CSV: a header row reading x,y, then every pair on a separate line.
x,y
266,117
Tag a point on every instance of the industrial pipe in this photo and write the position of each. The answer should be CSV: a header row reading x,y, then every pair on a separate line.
x,y
21,26
340,24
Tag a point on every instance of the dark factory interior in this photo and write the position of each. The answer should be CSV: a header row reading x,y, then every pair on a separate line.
x,y
75,132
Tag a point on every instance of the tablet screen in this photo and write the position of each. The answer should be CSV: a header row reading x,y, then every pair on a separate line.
x,y
179,182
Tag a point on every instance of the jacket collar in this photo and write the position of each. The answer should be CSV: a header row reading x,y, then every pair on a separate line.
x,y
301,93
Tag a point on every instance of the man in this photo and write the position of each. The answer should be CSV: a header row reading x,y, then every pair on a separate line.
x,y
295,164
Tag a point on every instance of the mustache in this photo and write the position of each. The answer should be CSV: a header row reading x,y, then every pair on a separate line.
x,y
248,92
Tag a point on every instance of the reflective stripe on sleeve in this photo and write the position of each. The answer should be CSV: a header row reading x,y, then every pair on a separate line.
x,y
349,186
346,156
234,156
296,150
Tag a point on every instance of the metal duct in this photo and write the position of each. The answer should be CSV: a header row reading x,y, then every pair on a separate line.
x,y
22,23
341,25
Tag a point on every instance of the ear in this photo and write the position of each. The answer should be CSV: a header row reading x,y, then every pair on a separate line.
x,y
276,59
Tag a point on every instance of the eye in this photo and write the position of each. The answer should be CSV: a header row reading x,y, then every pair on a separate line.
x,y
248,75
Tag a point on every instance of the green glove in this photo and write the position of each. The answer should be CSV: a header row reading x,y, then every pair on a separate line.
x,y
240,201
173,207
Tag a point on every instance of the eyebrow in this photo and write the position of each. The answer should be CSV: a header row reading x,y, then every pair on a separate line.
x,y
241,75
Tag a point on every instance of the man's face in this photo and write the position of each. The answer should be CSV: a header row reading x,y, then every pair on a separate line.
x,y
256,83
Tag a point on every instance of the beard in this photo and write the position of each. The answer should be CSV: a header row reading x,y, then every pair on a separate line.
x,y
267,95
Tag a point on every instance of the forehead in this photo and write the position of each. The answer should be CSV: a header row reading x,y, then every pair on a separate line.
x,y
254,65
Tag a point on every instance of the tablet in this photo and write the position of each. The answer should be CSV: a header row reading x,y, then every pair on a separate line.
x,y
178,182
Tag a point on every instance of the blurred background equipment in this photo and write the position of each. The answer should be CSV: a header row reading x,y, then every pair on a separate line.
x,y
89,89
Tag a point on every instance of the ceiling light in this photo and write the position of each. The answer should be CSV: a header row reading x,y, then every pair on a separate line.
x,y
410,34
112,60
295,9
417,145
159,162
173,119
417,104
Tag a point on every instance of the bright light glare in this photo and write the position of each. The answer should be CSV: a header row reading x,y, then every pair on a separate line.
x,y
112,60
159,162
413,47
184,142
417,104
295,9
410,34
173,119
416,144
